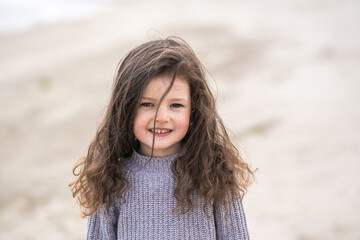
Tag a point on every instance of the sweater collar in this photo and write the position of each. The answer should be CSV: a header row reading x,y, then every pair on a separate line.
x,y
138,161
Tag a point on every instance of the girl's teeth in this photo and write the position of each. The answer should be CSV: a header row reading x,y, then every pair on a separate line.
x,y
161,131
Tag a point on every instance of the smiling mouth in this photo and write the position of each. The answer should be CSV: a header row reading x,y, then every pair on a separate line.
x,y
160,131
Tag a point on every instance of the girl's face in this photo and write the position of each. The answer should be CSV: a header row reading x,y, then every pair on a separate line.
x,y
172,121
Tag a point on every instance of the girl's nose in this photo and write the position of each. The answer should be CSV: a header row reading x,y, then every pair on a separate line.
x,y
163,114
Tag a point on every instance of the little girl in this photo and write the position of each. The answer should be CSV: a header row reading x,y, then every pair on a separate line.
x,y
161,165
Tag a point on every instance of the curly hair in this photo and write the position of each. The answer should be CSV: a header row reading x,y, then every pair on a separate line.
x,y
210,166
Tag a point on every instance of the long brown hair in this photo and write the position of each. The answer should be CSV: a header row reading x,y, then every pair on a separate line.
x,y
210,166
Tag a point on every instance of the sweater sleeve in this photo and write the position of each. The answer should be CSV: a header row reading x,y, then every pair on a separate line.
x,y
102,225
233,226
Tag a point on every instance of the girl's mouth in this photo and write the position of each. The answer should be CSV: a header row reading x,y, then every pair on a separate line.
x,y
160,132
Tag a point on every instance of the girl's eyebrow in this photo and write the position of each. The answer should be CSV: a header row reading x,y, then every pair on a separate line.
x,y
149,98
178,99
171,99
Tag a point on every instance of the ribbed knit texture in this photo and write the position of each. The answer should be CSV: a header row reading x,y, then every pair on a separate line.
x,y
146,212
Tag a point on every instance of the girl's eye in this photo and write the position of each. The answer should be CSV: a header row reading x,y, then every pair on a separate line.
x,y
146,104
176,105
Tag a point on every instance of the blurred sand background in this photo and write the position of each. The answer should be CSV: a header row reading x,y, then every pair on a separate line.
x,y
287,82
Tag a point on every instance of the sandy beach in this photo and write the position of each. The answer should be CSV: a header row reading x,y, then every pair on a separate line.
x,y
286,76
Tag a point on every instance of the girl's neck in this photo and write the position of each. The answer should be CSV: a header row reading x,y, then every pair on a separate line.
x,y
159,152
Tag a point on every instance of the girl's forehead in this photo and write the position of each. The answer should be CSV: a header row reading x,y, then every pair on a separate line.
x,y
158,85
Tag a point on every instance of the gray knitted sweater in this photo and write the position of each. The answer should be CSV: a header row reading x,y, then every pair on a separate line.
x,y
146,212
